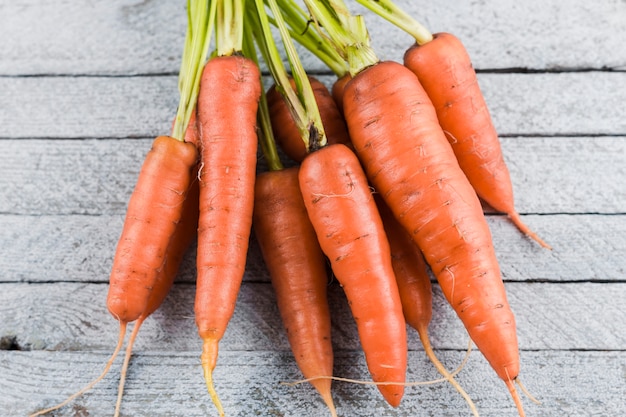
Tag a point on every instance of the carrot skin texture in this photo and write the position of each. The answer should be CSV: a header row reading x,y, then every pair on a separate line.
x,y
227,106
444,69
154,209
338,90
285,130
395,131
297,268
350,232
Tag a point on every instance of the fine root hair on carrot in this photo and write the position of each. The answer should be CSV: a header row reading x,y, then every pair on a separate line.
x,y
428,349
365,382
105,371
208,360
526,392
129,351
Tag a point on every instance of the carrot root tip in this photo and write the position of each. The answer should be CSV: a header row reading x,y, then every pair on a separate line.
x,y
209,359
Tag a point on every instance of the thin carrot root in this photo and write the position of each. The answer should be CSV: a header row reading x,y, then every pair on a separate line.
x,y
517,221
423,334
118,348
129,351
526,392
328,399
209,359
516,398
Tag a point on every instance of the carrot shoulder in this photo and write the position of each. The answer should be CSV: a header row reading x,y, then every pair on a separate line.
x,y
444,69
343,212
286,131
394,129
227,110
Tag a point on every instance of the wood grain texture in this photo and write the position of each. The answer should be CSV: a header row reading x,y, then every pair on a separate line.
x,y
575,175
80,249
549,104
146,37
85,86
550,316
249,384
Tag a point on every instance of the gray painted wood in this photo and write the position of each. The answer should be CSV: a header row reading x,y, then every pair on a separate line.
x,y
141,37
84,86
84,324
80,249
574,175
169,383
589,103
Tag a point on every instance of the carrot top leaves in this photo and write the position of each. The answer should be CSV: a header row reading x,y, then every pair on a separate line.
x,y
387,9
301,102
200,20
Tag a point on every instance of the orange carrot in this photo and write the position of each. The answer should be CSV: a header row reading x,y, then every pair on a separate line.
x,y
338,90
395,131
184,235
227,109
146,259
297,269
343,212
154,209
415,289
286,131
445,71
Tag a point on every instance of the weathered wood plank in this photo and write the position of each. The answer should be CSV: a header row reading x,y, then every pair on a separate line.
x,y
80,248
96,177
130,37
580,316
249,383
588,103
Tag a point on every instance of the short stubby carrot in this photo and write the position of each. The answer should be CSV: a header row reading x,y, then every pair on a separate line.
x,y
286,131
348,226
444,69
154,209
297,268
395,132
230,89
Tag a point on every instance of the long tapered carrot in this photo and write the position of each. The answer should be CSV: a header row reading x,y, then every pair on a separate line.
x,y
395,131
227,110
343,212
297,269
444,69
184,235
286,131
154,209
415,289
178,159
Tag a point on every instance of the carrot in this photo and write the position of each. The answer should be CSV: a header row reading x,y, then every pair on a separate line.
x,y
415,289
169,164
338,89
227,109
184,235
285,130
343,212
445,71
297,269
395,131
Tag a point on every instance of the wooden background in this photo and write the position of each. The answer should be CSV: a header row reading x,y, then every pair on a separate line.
x,y
86,85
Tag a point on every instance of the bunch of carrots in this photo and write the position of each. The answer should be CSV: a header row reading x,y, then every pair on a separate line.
x,y
384,182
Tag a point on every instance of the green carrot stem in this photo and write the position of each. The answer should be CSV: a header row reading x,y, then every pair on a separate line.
x,y
387,9
200,17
